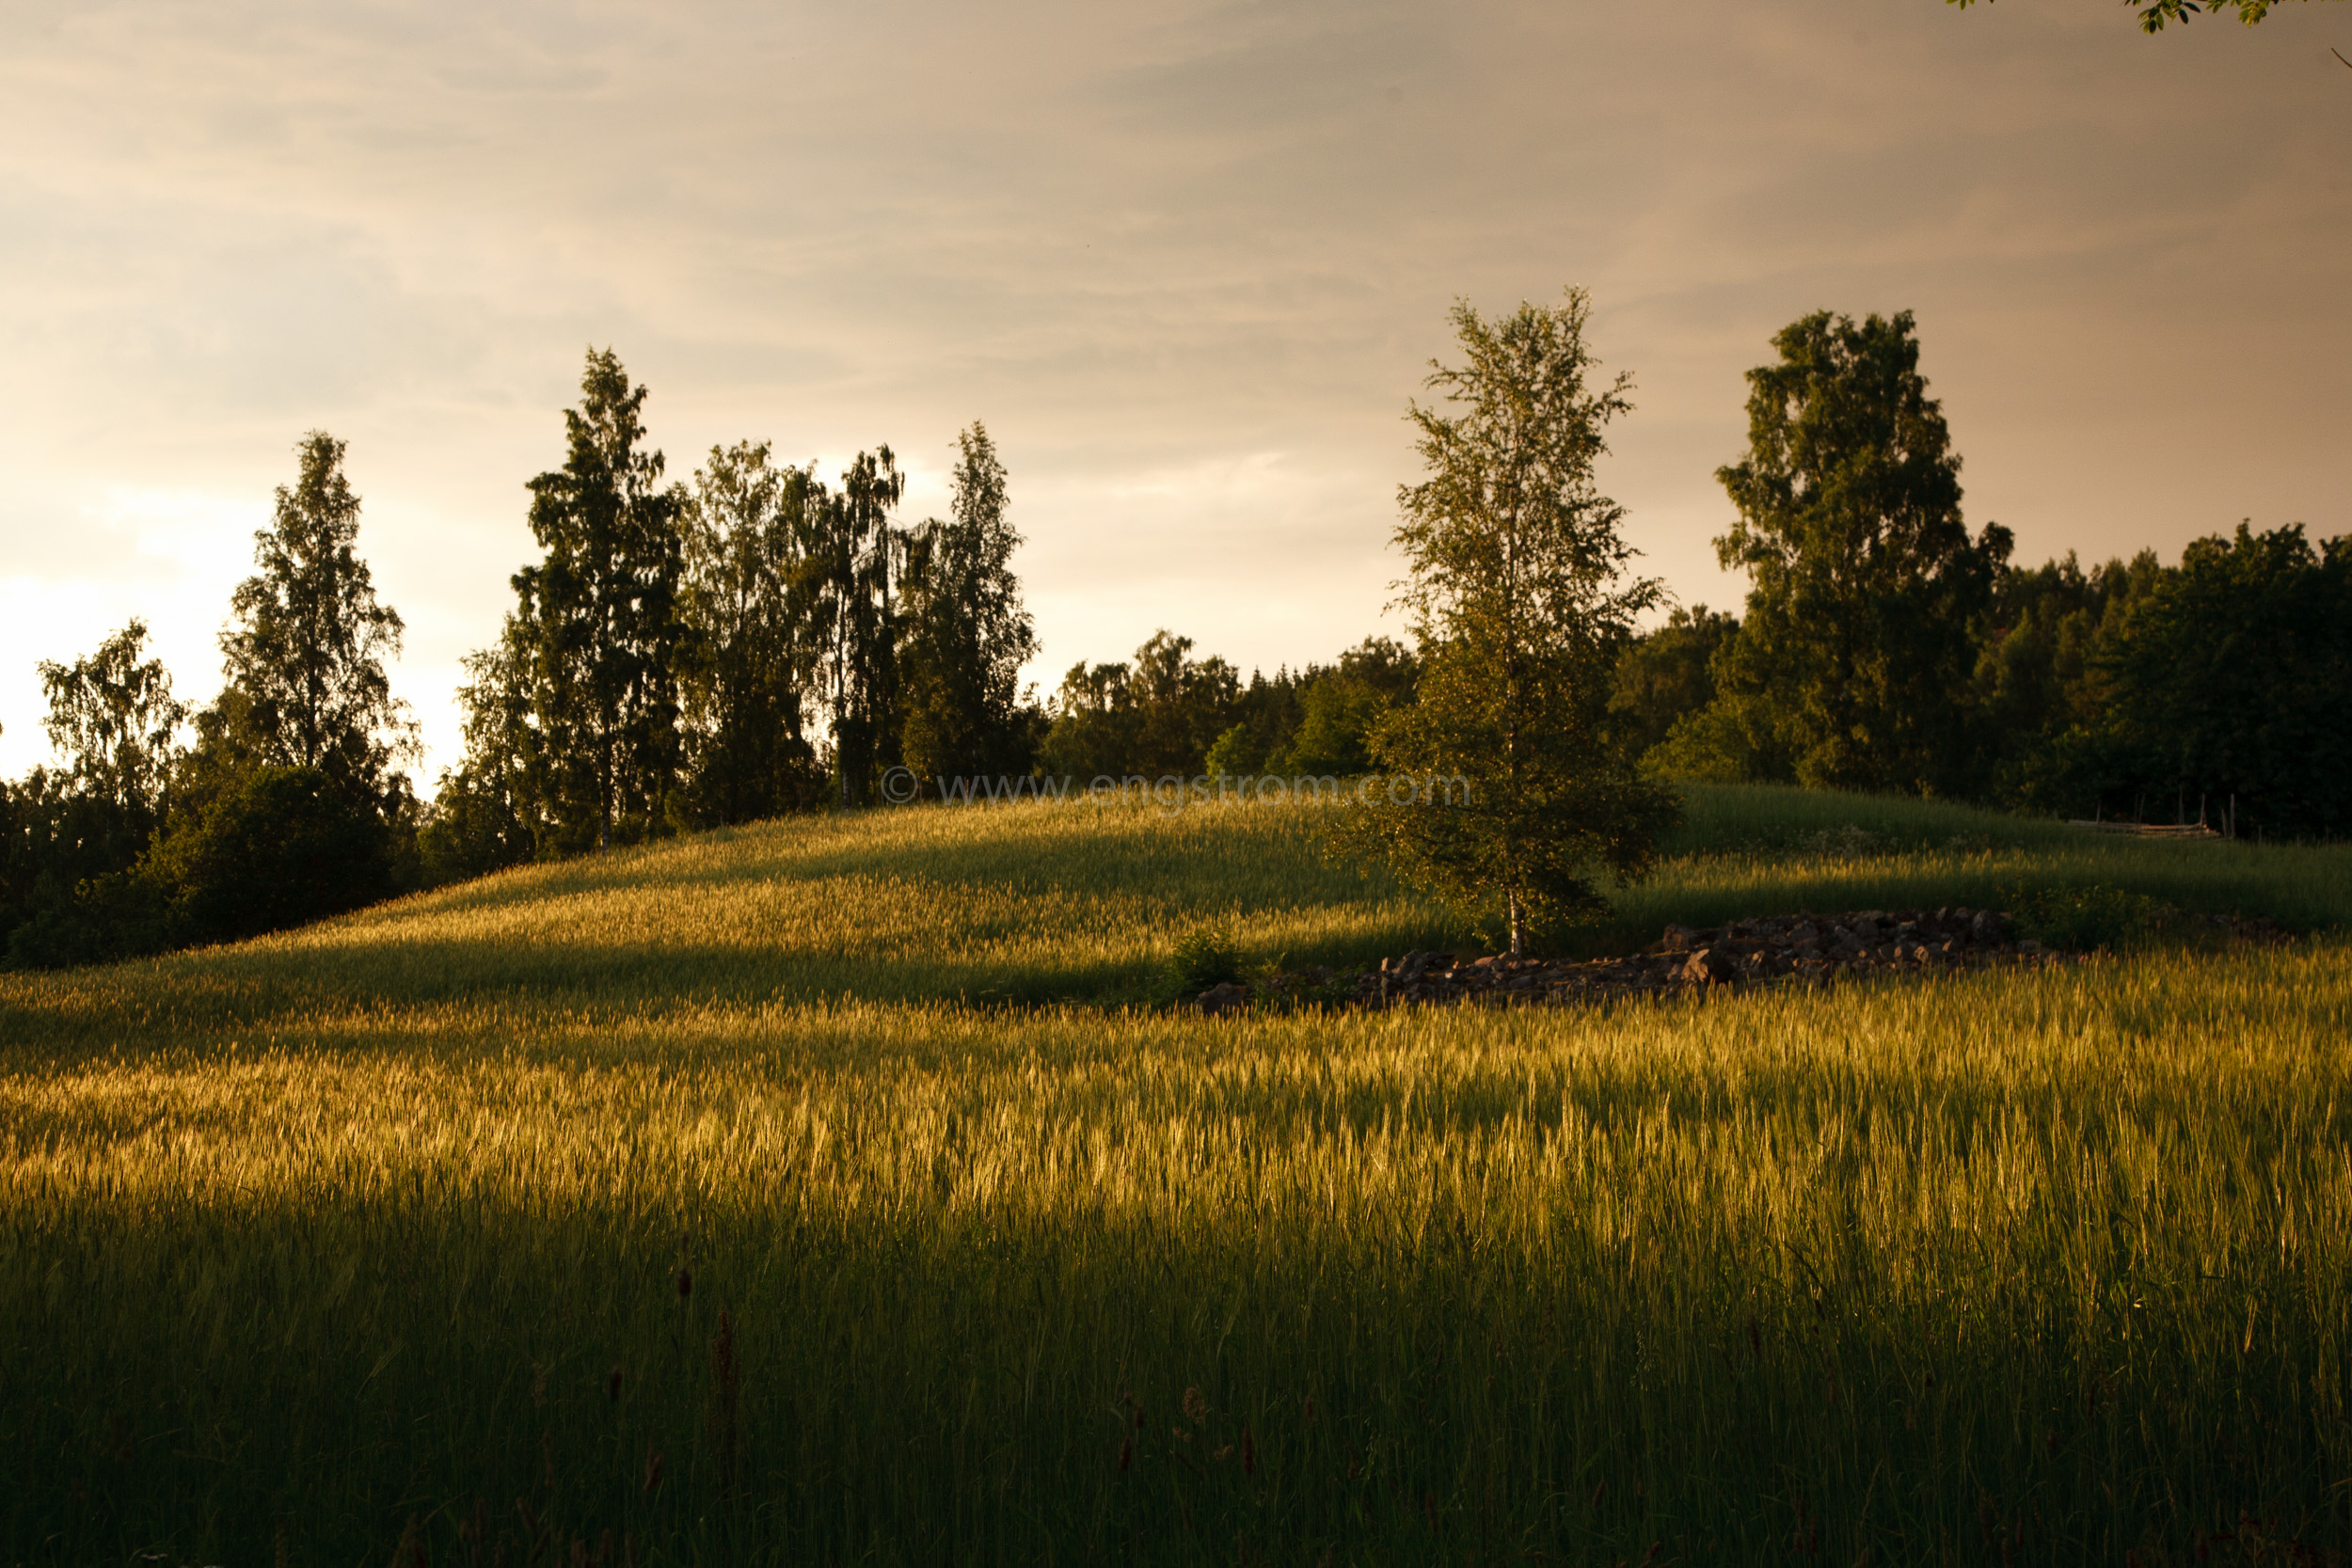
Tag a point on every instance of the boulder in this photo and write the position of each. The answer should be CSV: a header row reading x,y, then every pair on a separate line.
x,y
1225,998
1709,966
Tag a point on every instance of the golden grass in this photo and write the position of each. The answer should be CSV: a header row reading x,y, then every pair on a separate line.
x,y
335,1240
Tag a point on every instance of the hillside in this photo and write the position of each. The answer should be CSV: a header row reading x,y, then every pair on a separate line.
x,y
668,1209
1074,902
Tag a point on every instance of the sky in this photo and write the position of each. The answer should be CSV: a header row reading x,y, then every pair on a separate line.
x,y
1189,260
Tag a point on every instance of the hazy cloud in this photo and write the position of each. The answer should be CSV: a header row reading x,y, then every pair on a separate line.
x,y
1187,260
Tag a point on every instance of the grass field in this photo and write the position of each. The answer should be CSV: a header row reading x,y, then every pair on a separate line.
x,y
704,1204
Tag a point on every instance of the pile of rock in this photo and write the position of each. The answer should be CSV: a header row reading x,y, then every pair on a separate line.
x,y
1796,947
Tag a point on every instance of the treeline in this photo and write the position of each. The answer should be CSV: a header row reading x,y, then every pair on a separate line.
x,y
755,641
1168,712
1884,648
287,805
751,641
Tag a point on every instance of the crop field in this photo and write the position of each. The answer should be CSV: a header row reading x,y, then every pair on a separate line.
x,y
834,1190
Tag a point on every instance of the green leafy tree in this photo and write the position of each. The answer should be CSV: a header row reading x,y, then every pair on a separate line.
x,y
1095,724
1161,715
1182,706
1341,706
2228,679
70,889
2044,684
115,724
283,847
851,544
964,632
748,604
597,619
1667,673
2153,15
1519,599
486,814
1853,667
307,640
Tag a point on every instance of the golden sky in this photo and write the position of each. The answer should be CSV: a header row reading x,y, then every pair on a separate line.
x,y
1187,260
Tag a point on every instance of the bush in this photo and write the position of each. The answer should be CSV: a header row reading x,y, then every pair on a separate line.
x,y
1204,958
2088,917
284,848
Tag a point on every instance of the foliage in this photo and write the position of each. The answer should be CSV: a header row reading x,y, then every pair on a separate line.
x,y
2043,684
2084,916
1666,674
2141,691
1851,666
749,661
113,722
285,809
1204,957
964,632
852,546
307,640
1159,715
1094,725
1339,706
2228,678
670,662
1181,705
1516,563
486,814
596,625
2154,14
1311,722
69,893
286,846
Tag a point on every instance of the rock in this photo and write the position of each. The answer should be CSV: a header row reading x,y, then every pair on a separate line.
x,y
1709,966
1803,949
1224,998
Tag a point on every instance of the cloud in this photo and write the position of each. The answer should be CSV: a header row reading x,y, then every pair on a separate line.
x,y
1187,260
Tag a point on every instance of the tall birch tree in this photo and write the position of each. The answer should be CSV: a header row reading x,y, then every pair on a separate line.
x,y
1516,803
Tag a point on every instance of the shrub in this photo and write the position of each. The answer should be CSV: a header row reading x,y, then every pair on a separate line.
x,y
2085,917
285,847
1205,958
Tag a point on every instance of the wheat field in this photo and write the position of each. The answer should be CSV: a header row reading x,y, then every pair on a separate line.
x,y
811,1193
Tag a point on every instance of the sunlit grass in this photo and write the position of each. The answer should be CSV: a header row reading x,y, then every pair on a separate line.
x,y
315,1242
1080,902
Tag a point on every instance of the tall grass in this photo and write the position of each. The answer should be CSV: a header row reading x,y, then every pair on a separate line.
x,y
334,1242
2068,1249
1039,903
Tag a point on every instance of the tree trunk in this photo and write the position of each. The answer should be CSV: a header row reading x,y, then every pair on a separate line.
x,y
1519,927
